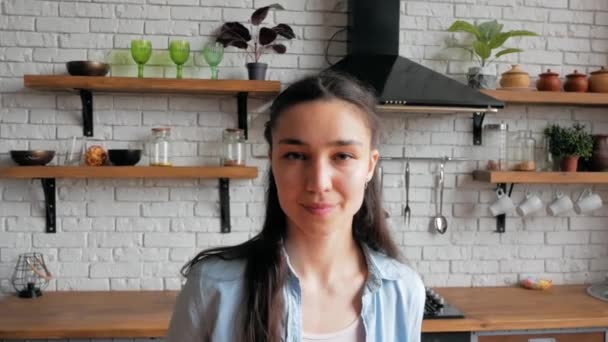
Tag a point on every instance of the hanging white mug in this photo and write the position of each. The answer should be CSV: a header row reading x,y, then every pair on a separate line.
x,y
561,204
587,202
530,204
503,205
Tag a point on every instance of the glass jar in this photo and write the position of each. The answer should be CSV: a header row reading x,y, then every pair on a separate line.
x,y
524,150
160,147
495,137
233,153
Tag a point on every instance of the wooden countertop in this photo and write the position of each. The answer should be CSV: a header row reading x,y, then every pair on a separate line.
x,y
122,314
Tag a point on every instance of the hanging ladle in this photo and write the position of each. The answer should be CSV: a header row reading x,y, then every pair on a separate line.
x,y
439,221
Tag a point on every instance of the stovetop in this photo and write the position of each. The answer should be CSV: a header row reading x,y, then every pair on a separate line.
x,y
435,307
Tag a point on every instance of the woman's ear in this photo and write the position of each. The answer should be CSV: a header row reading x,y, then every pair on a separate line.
x,y
373,160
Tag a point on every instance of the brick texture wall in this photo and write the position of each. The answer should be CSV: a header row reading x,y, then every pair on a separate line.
x,y
137,233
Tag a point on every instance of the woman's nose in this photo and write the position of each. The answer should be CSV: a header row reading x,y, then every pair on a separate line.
x,y
318,176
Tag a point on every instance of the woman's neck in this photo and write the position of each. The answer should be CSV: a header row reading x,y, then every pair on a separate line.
x,y
324,259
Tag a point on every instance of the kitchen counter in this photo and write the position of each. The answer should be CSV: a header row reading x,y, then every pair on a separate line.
x,y
123,314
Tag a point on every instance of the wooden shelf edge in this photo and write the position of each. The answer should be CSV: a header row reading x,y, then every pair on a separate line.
x,y
151,85
541,177
246,172
548,97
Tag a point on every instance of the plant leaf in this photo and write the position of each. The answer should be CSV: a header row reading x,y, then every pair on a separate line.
x,y
279,48
284,30
230,41
498,40
507,51
260,14
463,26
489,29
517,33
267,36
483,50
235,30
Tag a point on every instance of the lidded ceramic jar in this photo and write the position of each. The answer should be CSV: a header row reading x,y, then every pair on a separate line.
x,y
548,81
576,82
515,78
598,82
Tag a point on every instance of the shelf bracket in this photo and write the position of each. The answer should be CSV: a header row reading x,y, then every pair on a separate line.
x,y
225,204
501,219
477,127
241,101
48,186
86,96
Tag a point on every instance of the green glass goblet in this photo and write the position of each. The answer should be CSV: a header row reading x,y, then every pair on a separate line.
x,y
213,53
179,50
141,51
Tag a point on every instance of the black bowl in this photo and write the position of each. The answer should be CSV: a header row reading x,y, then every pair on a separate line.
x,y
87,68
124,157
32,157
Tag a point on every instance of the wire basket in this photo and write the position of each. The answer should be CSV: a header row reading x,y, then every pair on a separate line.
x,y
31,275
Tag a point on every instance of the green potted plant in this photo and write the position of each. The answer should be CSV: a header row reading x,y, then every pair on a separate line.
x,y
487,37
569,144
263,40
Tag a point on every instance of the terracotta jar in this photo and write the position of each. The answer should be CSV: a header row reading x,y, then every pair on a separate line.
x,y
576,82
515,78
598,82
549,81
599,158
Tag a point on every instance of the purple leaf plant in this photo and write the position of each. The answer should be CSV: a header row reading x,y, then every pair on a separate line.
x,y
236,34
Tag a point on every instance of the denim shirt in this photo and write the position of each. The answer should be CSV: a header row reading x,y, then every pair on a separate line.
x,y
212,300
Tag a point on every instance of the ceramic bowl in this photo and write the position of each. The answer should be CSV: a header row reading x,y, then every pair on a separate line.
x,y
87,68
32,157
124,157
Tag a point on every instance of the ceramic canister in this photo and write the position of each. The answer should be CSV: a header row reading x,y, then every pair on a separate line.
x,y
515,78
548,81
576,82
598,82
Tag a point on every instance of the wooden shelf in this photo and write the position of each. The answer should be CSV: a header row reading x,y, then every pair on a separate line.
x,y
127,172
549,97
151,85
497,177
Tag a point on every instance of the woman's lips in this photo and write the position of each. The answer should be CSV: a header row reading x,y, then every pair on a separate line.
x,y
319,209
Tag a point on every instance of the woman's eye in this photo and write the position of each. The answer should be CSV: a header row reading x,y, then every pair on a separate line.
x,y
343,156
294,156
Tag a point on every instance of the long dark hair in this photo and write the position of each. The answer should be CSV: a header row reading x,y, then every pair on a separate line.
x,y
266,268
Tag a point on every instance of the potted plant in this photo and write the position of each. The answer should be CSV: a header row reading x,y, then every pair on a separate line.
x,y
569,144
488,36
236,34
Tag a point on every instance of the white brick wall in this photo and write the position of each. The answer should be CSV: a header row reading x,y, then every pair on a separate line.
x,y
135,234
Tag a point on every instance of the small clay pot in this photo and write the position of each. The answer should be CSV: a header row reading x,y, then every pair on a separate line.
x,y
598,82
576,82
569,163
515,78
549,81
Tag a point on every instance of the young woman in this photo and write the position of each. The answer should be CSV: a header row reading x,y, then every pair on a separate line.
x,y
324,267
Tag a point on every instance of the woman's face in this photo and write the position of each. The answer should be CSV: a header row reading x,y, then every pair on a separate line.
x,y
321,159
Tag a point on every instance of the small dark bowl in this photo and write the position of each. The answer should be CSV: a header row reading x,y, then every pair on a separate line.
x,y
124,157
87,68
32,157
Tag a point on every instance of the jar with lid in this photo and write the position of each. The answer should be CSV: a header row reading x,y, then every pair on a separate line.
x,y
159,147
233,153
525,146
495,137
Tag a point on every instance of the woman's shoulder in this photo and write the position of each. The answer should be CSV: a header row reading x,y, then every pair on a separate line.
x,y
216,269
394,270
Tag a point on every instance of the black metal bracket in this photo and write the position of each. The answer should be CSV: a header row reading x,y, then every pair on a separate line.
x,y
86,96
477,127
241,102
48,186
225,204
501,219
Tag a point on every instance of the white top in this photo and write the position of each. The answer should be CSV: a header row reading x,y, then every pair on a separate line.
x,y
354,332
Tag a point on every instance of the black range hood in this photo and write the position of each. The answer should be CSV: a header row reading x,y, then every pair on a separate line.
x,y
400,83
